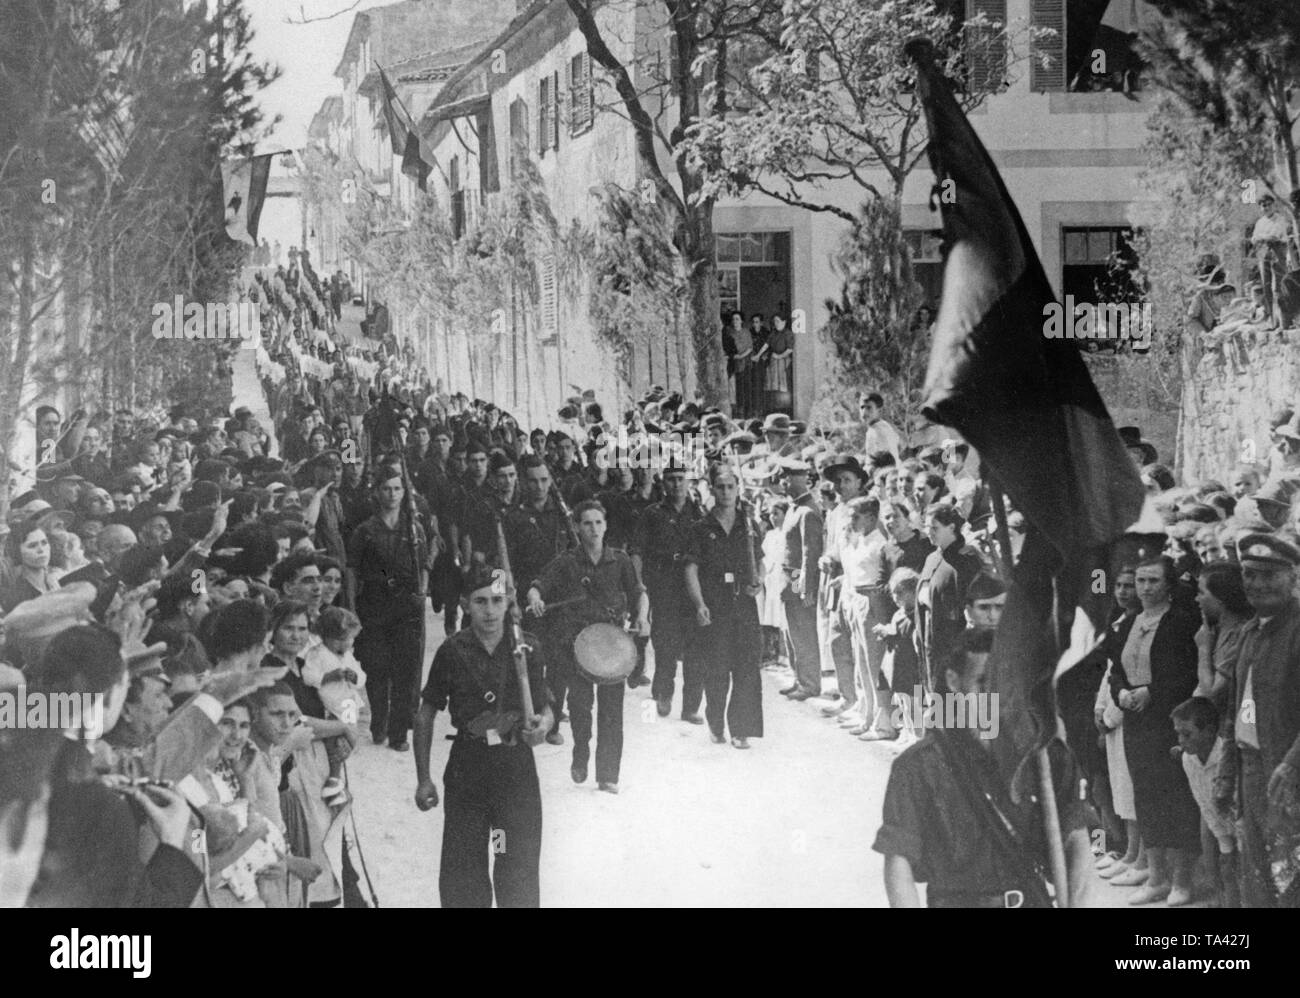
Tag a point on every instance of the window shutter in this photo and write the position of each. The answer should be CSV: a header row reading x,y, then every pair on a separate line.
x,y
580,94
986,48
555,111
549,299
542,136
1047,14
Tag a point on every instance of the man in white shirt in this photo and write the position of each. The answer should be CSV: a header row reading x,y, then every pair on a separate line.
x,y
1269,240
880,436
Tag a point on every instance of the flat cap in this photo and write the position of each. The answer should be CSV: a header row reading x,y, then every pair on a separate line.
x,y
1268,549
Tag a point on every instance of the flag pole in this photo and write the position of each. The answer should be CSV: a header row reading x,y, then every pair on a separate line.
x,y
1046,786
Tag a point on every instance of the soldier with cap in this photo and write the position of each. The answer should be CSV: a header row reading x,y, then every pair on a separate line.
x,y
1261,728
722,558
493,799
803,534
658,557
605,583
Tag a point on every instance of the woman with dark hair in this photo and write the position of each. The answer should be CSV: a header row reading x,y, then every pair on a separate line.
x,y
1225,610
1156,672
331,580
28,549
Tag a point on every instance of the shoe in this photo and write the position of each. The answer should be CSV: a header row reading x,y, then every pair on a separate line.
x,y
401,745
850,719
801,696
838,710
1178,897
717,738
333,787
378,739
553,737
859,729
876,736
665,705
790,689
1149,894
692,719
579,773
634,681
607,786
1113,870
742,742
1130,878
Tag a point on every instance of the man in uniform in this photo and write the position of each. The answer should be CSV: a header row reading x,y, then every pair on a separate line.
x,y
658,558
489,509
607,583
569,474
536,532
1262,727
493,797
386,583
803,550
948,819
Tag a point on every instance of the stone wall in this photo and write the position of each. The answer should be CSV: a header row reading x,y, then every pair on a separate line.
x,y
1226,407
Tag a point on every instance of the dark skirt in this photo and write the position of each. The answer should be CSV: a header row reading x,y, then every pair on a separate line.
x,y
1167,815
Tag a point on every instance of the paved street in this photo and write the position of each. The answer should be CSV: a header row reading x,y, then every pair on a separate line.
x,y
788,823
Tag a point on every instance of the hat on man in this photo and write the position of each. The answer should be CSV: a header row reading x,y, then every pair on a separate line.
x,y
1132,437
787,465
845,462
714,419
776,422
1267,550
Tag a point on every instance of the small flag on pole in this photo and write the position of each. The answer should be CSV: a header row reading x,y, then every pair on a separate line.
x,y
405,138
244,185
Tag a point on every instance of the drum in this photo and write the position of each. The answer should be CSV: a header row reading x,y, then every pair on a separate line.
x,y
605,653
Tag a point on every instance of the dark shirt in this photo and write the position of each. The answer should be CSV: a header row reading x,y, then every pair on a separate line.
x,y
534,537
910,554
719,554
620,518
611,585
307,697
661,542
386,570
928,817
482,513
464,674
572,483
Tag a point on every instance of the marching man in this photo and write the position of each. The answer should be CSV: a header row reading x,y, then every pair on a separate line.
x,y
493,798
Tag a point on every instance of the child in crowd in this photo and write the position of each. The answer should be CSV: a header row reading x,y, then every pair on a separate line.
x,y
333,669
901,664
1196,722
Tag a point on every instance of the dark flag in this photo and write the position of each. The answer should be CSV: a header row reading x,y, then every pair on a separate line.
x,y
244,185
1027,404
405,137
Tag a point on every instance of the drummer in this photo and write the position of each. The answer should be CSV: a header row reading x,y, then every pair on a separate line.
x,y
606,585
723,557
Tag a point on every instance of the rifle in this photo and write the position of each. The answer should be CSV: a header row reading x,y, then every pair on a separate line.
x,y
519,652
568,513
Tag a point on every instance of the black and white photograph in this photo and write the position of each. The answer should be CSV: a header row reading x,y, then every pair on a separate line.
x,y
713,454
